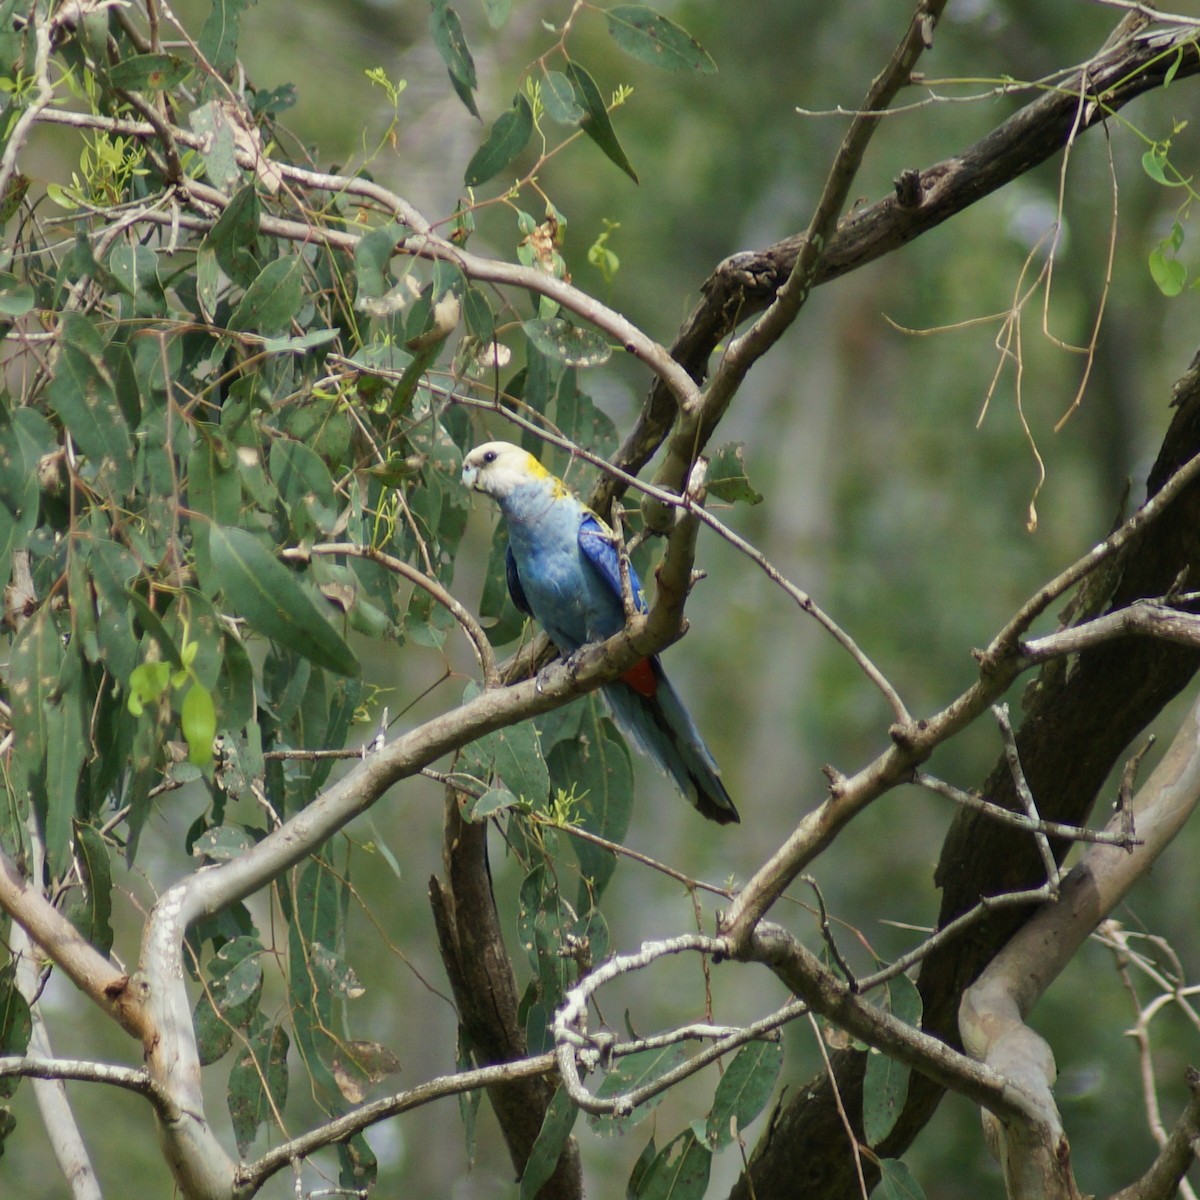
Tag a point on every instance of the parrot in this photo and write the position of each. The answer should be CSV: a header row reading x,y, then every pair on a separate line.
x,y
563,569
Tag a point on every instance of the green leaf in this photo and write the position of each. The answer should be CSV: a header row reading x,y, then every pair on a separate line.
x,y
497,12
552,1137
92,915
267,595
631,1072
66,749
231,998
568,343
264,1059
493,801
451,44
219,146
272,299
219,37
515,755
149,72
744,1090
727,475
904,1000
637,1176
897,1182
885,1085
372,259
506,140
1168,273
222,843
597,766
477,312
679,1172
198,719
232,240
595,122
84,397
652,38
1155,162
558,96
16,297
16,1024
33,671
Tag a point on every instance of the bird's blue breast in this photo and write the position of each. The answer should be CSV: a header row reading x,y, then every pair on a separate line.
x,y
565,592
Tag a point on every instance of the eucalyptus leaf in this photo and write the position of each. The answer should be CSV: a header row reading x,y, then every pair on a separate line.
x,y
508,137
266,594
649,36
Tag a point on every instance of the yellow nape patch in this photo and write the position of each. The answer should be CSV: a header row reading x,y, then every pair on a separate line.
x,y
557,487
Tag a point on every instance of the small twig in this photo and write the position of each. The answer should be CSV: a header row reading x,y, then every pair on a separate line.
x,y
827,933
1006,816
1125,793
947,933
1025,794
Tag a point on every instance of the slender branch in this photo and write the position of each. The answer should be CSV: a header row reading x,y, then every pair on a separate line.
x,y
1021,786
474,631
251,1176
131,1079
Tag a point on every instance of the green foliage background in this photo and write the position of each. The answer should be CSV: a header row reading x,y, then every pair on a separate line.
x,y
883,499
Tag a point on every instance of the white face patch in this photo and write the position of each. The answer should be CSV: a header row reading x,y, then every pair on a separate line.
x,y
498,468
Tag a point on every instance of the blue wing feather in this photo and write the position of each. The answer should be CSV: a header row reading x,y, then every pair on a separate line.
x,y
596,542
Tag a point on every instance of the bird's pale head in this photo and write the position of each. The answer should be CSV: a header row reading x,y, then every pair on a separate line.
x,y
497,469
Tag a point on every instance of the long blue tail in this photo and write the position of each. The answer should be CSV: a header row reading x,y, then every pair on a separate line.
x,y
664,729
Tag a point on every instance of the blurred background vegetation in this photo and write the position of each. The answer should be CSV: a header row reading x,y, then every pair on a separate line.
x,y
895,493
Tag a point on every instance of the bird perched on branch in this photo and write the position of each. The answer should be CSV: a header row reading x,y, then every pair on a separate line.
x,y
564,569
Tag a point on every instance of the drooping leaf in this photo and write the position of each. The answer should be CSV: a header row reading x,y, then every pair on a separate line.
x,y
84,397
595,122
744,1090
507,138
66,749
451,44
263,1060
552,1137
654,39
885,1085
16,1024
679,1172
219,36
633,1189
231,240
230,1000
263,591
515,755
595,764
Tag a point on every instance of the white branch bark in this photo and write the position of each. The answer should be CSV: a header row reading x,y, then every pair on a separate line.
x,y
1034,1154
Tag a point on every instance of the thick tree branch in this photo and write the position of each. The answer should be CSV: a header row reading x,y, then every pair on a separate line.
x,y
745,283
994,1008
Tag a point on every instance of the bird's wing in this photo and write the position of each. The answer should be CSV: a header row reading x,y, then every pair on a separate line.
x,y
600,548
515,588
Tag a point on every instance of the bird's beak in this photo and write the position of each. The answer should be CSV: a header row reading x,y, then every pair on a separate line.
x,y
468,477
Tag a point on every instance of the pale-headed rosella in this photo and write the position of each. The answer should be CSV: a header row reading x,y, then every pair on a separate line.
x,y
564,570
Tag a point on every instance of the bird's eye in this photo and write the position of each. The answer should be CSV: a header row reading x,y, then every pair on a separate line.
x,y
489,457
